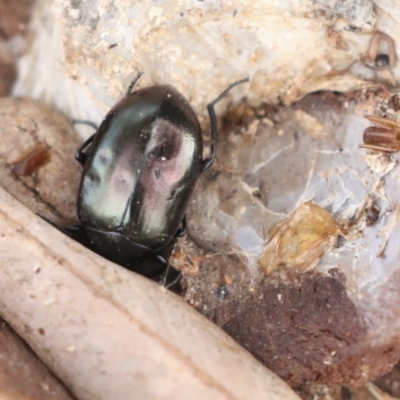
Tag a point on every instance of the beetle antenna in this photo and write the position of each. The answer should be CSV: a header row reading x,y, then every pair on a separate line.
x,y
133,83
85,122
214,126
228,89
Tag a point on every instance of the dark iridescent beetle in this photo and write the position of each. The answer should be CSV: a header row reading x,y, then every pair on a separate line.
x,y
139,171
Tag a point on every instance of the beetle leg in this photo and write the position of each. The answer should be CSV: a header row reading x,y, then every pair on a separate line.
x,y
159,257
214,126
80,156
181,231
73,229
133,83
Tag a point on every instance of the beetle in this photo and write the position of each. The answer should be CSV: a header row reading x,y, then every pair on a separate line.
x,y
139,170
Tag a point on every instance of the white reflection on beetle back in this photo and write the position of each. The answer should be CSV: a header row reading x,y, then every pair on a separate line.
x,y
168,159
110,184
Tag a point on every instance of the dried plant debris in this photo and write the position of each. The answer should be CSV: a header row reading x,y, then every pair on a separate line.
x,y
36,158
29,162
300,240
300,230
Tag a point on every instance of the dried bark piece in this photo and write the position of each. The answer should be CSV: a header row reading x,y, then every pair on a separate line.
x,y
109,333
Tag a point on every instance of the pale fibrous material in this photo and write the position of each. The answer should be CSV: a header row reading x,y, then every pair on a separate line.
x,y
86,53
